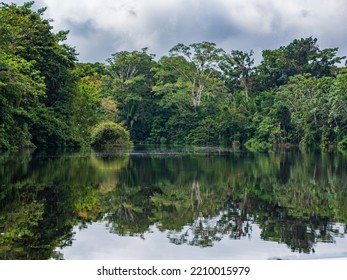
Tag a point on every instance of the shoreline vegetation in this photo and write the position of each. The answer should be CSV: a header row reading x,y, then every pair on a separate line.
x,y
198,94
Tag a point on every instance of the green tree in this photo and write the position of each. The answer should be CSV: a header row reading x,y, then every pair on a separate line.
x,y
203,66
129,81
307,99
37,100
299,57
21,86
338,112
238,69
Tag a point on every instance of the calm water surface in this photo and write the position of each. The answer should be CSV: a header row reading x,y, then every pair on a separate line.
x,y
181,203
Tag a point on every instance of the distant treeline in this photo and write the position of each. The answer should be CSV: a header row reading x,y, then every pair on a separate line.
x,y
198,94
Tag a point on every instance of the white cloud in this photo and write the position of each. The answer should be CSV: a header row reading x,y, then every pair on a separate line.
x,y
159,25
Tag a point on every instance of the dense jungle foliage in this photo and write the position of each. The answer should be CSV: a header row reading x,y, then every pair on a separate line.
x,y
197,94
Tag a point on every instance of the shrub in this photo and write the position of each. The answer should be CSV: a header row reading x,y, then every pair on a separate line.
x,y
255,145
109,134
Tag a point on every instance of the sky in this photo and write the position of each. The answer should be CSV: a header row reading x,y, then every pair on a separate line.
x,y
96,242
101,28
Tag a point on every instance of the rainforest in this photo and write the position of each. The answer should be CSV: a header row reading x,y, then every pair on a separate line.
x,y
200,153
197,94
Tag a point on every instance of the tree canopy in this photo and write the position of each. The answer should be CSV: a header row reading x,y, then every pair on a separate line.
x,y
197,94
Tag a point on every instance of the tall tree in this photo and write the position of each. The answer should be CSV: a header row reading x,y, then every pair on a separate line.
x,y
307,100
299,57
204,59
238,69
39,63
129,81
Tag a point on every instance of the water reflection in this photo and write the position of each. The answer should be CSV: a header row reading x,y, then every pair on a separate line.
x,y
194,197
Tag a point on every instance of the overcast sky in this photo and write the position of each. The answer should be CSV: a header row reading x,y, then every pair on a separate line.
x,y
100,28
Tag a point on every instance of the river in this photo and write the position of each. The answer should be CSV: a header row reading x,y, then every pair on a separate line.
x,y
172,203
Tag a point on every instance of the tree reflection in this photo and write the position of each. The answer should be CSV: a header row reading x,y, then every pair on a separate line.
x,y
196,199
